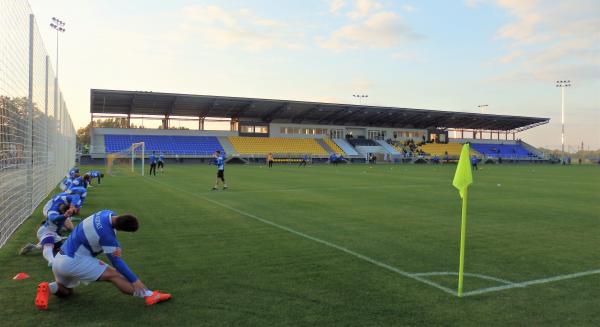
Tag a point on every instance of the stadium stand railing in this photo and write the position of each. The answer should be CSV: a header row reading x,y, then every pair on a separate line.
x,y
37,137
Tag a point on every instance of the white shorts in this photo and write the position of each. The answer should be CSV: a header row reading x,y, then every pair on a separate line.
x,y
69,272
44,232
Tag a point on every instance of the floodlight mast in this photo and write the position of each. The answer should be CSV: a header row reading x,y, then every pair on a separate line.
x,y
562,84
59,26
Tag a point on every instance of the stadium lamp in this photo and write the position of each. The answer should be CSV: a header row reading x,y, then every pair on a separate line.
x,y
481,106
359,97
562,84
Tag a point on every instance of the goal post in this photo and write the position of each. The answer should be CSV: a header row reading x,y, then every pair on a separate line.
x,y
142,147
118,161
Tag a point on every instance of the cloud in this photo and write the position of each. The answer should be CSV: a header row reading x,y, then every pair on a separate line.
x,y
408,8
242,29
363,8
407,56
336,5
369,27
545,33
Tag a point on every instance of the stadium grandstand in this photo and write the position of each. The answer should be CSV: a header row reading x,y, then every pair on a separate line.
x,y
291,129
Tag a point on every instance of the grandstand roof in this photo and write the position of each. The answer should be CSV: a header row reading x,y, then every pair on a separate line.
x,y
289,111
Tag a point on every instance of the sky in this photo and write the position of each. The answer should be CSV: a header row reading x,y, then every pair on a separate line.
x,y
444,54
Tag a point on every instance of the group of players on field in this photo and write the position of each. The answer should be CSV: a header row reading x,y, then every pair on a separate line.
x,y
73,258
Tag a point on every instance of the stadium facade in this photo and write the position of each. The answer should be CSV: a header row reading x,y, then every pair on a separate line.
x,y
290,129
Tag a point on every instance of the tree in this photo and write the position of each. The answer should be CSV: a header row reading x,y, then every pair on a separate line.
x,y
83,134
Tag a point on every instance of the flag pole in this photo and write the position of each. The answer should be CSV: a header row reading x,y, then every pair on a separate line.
x,y
463,232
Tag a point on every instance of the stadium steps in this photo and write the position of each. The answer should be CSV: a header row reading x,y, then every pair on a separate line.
x,y
227,147
532,149
390,149
346,147
325,146
334,146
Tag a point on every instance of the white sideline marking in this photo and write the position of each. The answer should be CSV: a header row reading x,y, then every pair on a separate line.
x,y
318,240
447,273
532,282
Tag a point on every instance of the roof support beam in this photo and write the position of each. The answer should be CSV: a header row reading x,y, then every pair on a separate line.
x,y
243,109
302,116
270,115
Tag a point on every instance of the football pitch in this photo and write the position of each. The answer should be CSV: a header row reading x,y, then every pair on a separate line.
x,y
349,245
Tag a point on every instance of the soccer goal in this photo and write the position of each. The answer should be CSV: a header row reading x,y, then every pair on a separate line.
x,y
119,162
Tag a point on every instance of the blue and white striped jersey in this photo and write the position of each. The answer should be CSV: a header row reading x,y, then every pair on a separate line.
x,y
96,235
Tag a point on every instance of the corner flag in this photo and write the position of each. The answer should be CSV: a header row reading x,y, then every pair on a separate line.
x,y
462,179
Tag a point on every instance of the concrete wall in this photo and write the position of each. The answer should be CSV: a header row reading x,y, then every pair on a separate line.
x,y
172,132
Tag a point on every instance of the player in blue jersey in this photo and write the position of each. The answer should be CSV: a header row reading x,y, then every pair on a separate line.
x,y
161,162
95,174
76,262
57,211
220,163
66,182
152,159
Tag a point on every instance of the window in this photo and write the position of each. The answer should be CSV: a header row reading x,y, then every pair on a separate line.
x,y
261,129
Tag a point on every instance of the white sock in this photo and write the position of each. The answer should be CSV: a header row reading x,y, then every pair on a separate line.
x,y
48,254
53,287
143,294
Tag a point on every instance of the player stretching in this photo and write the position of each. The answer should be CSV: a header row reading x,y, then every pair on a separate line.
x,y
76,260
152,160
57,211
220,163
95,174
161,163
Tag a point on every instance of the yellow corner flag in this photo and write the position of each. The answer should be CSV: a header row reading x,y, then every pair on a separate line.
x,y
463,176
462,179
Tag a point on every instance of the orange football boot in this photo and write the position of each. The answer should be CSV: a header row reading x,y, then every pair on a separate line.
x,y
157,297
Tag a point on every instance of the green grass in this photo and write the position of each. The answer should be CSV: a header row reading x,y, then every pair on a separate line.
x,y
224,267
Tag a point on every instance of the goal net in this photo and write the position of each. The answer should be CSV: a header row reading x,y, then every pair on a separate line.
x,y
128,161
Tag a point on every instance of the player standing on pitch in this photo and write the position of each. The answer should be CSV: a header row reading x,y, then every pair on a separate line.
x,y
152,159
220,163
161,163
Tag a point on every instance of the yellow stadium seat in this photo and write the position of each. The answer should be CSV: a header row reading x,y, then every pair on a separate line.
x,y
276,145
452,148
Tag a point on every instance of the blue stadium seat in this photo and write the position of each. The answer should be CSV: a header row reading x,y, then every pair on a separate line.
x,y
168,145
493,150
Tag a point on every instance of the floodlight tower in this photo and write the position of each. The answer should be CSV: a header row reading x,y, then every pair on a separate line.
x,y
562,85
59,26
481,106
359,97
